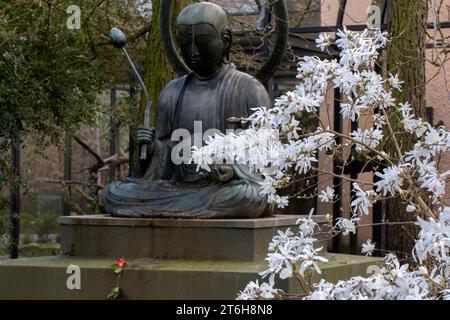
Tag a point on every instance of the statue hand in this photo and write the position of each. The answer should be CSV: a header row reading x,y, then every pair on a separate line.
x,y
146,136
221,173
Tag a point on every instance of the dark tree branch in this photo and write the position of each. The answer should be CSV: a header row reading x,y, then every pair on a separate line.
x,y
85,146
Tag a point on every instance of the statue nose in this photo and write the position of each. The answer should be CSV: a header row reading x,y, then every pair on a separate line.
x,y
194,51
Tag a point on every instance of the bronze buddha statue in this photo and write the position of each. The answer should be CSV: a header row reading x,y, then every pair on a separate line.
x,y
212,93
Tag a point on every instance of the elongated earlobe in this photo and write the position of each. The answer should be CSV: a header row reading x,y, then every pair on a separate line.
x,y
228,42
226,59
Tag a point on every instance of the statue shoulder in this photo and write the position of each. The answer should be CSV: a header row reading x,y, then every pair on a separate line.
x,y
256,93
247,78
166,107
171,90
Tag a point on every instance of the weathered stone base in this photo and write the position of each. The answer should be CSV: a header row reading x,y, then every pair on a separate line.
x,y
192,239
167,259
46,277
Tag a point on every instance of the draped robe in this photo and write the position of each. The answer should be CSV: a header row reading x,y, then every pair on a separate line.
x,y
178,191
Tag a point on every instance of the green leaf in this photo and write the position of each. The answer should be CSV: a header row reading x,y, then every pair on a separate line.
x,y
117,269
114,294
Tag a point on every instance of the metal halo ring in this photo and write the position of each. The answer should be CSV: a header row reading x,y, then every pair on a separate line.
x,y
269,67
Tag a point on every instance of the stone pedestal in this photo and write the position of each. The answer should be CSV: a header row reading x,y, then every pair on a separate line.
x,y
166,259
220,239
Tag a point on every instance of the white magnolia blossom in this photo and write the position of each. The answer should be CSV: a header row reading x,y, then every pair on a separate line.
x,y
434,182
393,281
293,252
368,247
324,41
276,146
394,82
370,137
262,148
347,226
412,124
437,140
391,180
310,257
327,195
281,201
434,239
363,199
254,291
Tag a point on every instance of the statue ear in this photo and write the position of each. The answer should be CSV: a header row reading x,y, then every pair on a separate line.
x,y
227,38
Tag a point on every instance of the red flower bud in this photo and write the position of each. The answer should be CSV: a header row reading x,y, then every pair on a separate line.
x,y
120,263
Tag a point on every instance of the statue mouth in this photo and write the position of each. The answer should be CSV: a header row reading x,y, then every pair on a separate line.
x,y
195,61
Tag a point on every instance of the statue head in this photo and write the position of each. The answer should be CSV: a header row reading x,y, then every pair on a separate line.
x,y
204,37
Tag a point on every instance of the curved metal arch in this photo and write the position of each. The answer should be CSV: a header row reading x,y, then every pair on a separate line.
x,y
341,12
264,74
343,6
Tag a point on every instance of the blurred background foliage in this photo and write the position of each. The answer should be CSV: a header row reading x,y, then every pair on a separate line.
x,y
50,80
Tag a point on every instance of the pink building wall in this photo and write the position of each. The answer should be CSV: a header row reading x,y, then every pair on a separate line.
x,y
436,91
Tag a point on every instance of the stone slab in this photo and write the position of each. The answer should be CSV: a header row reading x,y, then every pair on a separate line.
x,y
107,220
196,239
46,277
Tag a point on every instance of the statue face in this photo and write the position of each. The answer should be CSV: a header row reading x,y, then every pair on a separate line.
x,y
201,47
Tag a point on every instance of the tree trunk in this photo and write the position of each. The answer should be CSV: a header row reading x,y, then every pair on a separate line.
x,y
158,70
406,57
406,52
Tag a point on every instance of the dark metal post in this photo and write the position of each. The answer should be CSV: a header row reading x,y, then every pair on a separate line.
x,y
430,115
68,171
133,152
15,197
112,139
377,210
353,176
337,181
386,13
377,217
263,24
341,12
